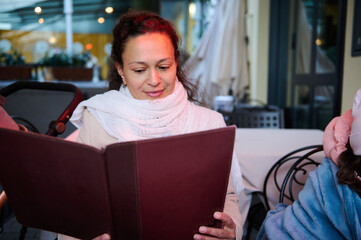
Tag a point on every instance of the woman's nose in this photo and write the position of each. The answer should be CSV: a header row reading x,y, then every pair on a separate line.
x,y
154,79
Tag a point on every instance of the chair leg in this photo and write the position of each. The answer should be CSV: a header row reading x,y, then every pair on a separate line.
x,y
23,231
249,231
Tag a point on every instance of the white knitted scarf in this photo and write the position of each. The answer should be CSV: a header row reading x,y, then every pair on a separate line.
x,y
128,119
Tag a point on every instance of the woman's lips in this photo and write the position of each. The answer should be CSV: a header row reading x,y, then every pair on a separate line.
x,y
154,94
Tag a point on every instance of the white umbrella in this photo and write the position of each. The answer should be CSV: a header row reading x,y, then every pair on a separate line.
x,y
219,62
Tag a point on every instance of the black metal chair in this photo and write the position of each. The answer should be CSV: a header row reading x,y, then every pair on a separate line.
x,y
296,174
249,116
258,117
41,107
289,176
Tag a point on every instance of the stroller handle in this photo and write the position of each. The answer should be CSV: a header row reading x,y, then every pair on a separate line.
x,y
57,126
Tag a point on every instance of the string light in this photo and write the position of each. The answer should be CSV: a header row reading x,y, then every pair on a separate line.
x,y
37,10
101,20
109,10
41,20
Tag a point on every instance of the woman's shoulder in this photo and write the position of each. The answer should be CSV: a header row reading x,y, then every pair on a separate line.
x,y
327,167
103,101
213,118
92,133
323,182
203,111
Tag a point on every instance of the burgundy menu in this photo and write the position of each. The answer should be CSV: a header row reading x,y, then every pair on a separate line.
x,y
162,188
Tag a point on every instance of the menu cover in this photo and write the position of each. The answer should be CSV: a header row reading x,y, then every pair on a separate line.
x,y
162,188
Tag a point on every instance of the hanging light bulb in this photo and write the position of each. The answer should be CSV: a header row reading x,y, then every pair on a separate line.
x,y
109,10
37,10
101,20
41,20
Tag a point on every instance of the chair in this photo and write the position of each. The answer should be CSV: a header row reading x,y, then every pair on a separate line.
x,y
296,174
289,176
249,116
258,117
42,108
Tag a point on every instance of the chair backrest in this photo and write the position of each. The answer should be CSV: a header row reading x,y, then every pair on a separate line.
x,y
258,117
291,172
42,107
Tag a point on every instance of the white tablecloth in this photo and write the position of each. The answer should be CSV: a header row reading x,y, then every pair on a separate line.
x,y
258,149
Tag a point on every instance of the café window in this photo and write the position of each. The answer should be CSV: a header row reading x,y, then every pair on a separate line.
x,y
34,32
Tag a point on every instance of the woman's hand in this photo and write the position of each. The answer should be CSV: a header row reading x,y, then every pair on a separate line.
x,y
105,236
227,232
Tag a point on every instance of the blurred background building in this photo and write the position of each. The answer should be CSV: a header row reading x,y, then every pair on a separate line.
x,y
35,28
300,55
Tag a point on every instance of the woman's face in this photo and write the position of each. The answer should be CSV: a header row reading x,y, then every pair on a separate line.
x,y
149,68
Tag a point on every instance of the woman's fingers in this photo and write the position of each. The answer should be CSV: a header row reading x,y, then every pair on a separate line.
x,y
227,232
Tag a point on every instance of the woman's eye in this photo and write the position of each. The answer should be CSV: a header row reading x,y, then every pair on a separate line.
x,y
138,70
163,67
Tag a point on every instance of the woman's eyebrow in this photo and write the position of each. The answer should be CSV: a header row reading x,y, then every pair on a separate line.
x,y
165,59
144,63
137,62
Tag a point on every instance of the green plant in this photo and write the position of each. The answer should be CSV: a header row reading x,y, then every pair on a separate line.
x,y
61,58
11,59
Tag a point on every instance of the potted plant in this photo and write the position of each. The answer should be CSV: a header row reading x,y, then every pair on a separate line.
x,y
13,67
61,66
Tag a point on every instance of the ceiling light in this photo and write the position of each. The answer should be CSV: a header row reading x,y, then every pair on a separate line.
x,y
37,10
109,10
41,20
101,20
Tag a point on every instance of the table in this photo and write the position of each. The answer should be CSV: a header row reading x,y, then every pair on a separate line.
x,y
258,149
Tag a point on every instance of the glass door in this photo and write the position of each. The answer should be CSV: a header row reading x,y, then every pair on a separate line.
x,y
315,75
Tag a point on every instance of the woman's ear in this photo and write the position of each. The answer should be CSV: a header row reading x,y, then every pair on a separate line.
x,y
119,69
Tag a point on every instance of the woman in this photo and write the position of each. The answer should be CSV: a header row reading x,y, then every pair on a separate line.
x,y
150,97
329,206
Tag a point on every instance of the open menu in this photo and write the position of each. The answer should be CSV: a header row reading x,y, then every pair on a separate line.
x,y
161,188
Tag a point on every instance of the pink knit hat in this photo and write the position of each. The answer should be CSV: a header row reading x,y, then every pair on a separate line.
x,y
341,128
336,135
355,137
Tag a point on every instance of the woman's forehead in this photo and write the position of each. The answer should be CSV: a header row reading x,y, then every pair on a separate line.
x,y
148,46
150,37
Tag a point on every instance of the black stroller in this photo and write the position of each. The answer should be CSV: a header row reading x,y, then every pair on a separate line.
x,y
39,107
